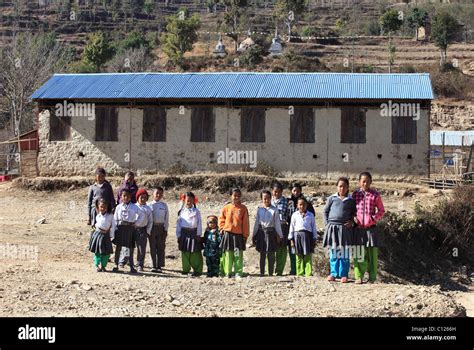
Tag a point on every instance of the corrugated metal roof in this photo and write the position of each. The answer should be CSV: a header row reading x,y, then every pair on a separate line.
x,y
226,85
452,138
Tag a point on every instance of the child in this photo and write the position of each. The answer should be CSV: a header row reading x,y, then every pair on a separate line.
x,y
100,243
234,226
281,203
338,217
143,225
159,230
267,232
188,233
125,217
296,193
212,240
100,189
302,237
369,211
129,184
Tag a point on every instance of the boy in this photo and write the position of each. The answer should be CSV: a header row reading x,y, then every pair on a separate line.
x,y
143,227
159,230
100,189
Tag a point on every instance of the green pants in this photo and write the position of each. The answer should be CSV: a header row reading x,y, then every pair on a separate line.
x,y
101,259
192,260
232,261
221,265
304,265
368,263
281,255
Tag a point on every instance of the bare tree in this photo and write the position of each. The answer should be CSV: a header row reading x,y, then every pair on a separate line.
x,y
26,64
131,60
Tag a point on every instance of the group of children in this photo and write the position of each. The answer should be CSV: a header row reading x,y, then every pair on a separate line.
x,y
283,226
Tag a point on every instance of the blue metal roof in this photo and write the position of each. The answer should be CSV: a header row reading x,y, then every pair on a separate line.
x,y
235,85
451,138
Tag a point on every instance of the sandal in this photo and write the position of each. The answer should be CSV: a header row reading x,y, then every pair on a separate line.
x,y
331,278
358,281
344,280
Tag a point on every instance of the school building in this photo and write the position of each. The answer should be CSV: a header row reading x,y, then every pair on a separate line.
x,y
323,124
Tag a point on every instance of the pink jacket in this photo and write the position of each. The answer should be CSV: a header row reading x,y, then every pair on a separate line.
x,y
369,207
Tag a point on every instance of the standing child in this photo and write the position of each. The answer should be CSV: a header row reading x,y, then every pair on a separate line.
x,y
125,217
100,189
100,243
281,203
159,231
338,217
369,211
267,232
296,193
212,240
143,225
129,184
302,237
234,226
188,233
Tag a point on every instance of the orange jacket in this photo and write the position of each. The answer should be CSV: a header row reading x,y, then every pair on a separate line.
x,y
235,219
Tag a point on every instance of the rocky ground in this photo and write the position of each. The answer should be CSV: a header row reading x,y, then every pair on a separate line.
x,y
63,282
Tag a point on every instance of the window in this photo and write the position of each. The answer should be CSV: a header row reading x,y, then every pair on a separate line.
x,y
252,124
353,122
154,124
59,127
202,124
302,125
106,124
403,130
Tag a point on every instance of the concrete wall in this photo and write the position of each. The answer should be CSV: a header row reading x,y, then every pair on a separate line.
x,y
324,157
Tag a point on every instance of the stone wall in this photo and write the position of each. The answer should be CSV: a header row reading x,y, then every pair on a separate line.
x,y
452,116
324,158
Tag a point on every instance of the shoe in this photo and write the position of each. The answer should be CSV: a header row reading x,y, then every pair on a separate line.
x,y
154,270
115,269
103,269
132,270
358,281
121,266
140,268
238,276
344,280
195,274
331,278
99,269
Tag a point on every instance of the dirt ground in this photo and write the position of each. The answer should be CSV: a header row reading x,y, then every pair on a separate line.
x,y
62,281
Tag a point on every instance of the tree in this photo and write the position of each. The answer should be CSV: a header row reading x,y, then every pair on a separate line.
x,y
443,30
26,64
253,56
235,10
97,51
131,60
390,22
286,11
180,35
417,19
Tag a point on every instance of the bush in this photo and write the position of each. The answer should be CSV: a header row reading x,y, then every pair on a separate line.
x,y
252,57
451,82
407,69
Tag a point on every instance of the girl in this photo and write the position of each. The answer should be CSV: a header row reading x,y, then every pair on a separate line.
x,y
100,242
267,232
188,233
125,217
369,211
338,215
234,226
212,240
302,237
143,226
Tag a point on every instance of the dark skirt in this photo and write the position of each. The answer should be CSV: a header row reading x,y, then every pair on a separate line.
x,y
337,236
100,243
304,243
367,237
189,240
125,236
232,241
266,240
